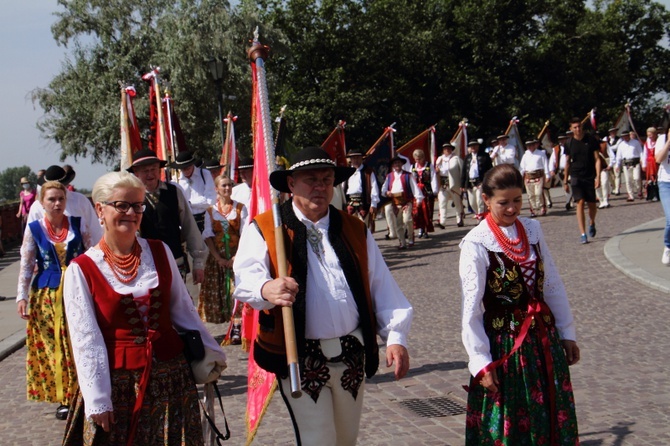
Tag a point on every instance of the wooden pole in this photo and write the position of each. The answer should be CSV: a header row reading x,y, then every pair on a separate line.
x,y
257,54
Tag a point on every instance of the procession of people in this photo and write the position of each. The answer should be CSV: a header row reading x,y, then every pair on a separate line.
x,y
140,237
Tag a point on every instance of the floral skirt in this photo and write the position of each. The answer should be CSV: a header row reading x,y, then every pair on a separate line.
x,y
519,413
170,413
215,304
50,368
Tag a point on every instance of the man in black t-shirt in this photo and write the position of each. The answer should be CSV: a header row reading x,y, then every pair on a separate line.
x,y
582,166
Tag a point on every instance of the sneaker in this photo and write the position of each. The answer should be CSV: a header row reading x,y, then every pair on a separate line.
x,y
666,256
592,230
603,205
584,239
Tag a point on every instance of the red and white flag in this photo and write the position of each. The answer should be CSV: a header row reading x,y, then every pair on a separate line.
x,y
229,157
423,141
625,121
336,145
130,132
260,383
460,139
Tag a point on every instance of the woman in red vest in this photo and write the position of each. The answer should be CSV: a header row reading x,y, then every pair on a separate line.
x,y
125,301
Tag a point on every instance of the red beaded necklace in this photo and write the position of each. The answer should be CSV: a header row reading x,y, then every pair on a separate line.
x,y
513,248
220,208
57,236
124,267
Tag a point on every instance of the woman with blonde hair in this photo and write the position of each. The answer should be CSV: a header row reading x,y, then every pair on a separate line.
x,y
125,301
49,243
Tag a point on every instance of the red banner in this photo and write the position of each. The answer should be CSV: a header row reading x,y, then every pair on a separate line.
x,y
423,141
336,146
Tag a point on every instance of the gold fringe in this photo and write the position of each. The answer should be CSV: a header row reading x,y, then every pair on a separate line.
x,y
251,434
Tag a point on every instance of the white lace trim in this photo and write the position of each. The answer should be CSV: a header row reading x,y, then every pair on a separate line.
x,y
483,235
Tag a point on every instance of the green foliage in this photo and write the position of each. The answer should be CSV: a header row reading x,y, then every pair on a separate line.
x,y
10,181
367,62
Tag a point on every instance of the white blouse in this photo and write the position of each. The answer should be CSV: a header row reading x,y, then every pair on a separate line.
x,y
88,345
473,266
29,256
232,215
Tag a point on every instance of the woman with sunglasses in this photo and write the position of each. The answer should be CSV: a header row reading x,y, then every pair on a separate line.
x,y
125,301
223,225
49,243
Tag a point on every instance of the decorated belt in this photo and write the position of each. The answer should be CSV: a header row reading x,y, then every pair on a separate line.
x,y
444,182
399,199
535,174
355,200
631,162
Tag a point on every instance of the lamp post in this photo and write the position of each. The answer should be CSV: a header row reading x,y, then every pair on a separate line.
x,y
216,67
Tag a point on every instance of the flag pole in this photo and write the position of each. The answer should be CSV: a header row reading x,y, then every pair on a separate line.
x,y
541,134
257,54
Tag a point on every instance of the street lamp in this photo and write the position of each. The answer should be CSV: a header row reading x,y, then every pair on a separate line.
x,y
216,67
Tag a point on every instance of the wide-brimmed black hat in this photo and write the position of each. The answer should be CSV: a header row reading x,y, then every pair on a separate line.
x,y
211,163
309,158
246,163
474,142
625,133
57,173
502,136
184,159
69,171
531,141
613,129
144,157
355,152
447,145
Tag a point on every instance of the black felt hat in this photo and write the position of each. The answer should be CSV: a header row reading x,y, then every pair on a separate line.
x,y
245,163
309,158
144,157
57,173
183,160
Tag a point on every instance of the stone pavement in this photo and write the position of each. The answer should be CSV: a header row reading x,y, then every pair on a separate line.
x,y
621,388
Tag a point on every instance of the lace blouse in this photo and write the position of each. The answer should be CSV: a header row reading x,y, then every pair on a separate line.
x,y
232,215
473,265
29,256
88,345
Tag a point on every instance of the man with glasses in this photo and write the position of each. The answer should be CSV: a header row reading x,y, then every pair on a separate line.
x,y
168,216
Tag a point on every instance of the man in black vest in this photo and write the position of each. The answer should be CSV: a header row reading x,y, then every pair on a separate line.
x,y
168,216
361,190
342,293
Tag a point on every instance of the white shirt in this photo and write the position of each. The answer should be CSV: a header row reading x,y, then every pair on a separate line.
x,y
396,186
330,308
200,194
473,266
534,160
628,150
442,164
355,185
561,156
473,173
88,345
76,205
242,194
504,154
664,167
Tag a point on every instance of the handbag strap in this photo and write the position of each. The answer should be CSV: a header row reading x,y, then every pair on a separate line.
x,y
219,436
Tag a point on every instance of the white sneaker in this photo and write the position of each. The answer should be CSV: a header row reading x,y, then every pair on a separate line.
x,y
666,256
604,205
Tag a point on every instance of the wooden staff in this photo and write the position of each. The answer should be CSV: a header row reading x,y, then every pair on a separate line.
x,y
257,54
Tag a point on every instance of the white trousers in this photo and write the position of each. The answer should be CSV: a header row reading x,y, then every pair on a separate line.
x,y
476,200
335,417
617,180
443,198
603,192
399,223
633,179
534,189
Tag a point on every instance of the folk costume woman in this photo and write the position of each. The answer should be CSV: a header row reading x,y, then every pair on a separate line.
x,y
223,225
517,328
424,174
125,301
50,244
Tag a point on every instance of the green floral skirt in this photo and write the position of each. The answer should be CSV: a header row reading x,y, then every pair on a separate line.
x,y
520,413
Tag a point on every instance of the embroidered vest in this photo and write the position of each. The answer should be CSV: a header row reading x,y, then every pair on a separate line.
x,y
347,235
506,295
161,220
407,193
121,323
48,264
423,179
233,232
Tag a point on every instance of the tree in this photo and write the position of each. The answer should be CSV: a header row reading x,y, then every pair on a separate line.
x,y
10,181
368,62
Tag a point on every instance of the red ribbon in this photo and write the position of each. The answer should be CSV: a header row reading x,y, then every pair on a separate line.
x,y
535,308
144,381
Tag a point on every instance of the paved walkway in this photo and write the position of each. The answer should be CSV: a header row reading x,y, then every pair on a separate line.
x,y
618,291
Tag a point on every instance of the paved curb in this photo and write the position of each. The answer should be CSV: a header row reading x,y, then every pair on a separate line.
x,y
616,257
12,344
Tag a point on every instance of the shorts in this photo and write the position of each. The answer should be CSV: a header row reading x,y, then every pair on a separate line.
x,y
583,189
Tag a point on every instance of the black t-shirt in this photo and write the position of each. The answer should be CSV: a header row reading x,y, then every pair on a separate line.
x,y
582,158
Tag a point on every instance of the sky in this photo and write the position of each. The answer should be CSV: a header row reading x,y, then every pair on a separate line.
x,y
30,59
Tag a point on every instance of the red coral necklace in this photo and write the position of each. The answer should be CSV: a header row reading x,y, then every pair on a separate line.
x,y
517,249
124,267
60,235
